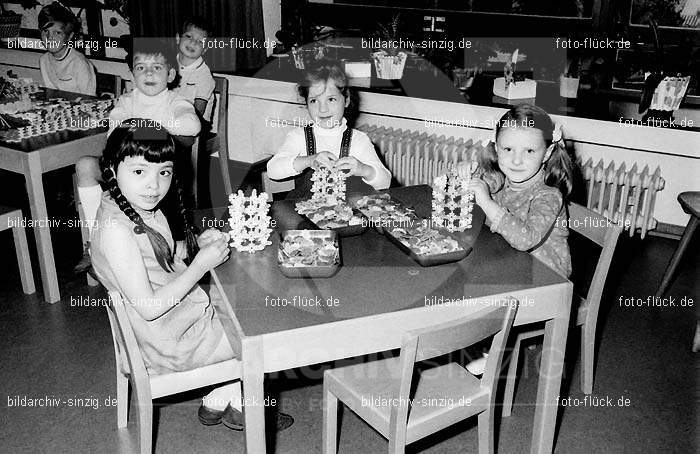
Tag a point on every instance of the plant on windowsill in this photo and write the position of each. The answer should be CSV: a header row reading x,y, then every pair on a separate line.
x,y
389,58
569,80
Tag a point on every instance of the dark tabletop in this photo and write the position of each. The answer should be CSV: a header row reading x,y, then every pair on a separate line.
x,y
376,277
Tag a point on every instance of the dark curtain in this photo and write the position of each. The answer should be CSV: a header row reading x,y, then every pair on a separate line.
x,y
238,19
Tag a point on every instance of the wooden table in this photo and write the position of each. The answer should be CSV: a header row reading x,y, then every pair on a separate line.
x,y
381,293
36,156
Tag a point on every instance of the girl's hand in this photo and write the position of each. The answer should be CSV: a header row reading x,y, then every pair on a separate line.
x,y
354,167
213,254
208,236
325,158
482,195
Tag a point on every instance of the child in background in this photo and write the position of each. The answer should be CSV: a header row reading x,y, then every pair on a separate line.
x,y
329,142
153,67
62,66
528,210
175,323
196,82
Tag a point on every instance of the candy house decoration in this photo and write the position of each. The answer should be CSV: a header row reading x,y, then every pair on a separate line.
x,y
249,221
452,209
328,183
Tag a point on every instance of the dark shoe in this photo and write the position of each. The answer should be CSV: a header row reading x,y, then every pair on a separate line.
x,y
85,262
233,419
210,417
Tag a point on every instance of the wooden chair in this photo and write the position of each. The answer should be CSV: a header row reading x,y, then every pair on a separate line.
x,y
131,368
219,118
690,202
448,393
12,216
594,227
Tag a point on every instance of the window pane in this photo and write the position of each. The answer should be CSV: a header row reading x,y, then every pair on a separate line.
x,y
560,8
669,13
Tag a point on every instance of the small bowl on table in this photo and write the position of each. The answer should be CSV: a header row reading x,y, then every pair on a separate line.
x,y
308,253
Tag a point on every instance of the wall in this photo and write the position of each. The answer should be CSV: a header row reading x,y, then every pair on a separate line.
x,y
254,135
272,18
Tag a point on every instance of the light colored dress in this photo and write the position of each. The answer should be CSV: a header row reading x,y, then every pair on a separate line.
x,y
186,336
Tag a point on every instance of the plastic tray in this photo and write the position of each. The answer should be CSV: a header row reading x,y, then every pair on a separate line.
x,y
434,259
310,271
350,230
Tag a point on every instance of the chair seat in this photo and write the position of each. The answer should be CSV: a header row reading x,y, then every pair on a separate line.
x,y
177,382
690,202
446,393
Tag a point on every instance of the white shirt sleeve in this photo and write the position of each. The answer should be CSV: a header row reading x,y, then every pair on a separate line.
x,y
84,74
205,87
121,111
43,65
282,163
185,121
363,150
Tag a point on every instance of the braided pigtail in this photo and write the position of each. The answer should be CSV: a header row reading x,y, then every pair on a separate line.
x,y
187,224
160,246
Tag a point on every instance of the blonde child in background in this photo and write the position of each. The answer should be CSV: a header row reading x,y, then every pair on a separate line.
x,y
62,66
329,141
528,210
196,82
176,325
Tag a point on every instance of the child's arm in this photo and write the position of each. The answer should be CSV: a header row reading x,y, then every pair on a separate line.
x,y
184,119
43,63
125,260
84,74
365,163
122,110
522,234
290,160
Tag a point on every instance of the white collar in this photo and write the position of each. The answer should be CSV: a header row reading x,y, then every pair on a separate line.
x,y
150,100
337,130
194,65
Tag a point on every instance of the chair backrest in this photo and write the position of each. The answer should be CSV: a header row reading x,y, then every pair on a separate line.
x,y
125,346
221,106
419,345
603,232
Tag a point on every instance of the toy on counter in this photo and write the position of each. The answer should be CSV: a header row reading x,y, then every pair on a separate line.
x,y
58,115
452,208
510,88
249,221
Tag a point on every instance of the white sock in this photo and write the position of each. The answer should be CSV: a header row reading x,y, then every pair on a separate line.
x,y
90,198
220,397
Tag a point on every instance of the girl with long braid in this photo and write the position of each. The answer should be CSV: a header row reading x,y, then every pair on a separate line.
x,y
133,252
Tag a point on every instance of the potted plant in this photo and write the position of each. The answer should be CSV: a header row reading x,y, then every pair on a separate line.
x,y
569,80
390,59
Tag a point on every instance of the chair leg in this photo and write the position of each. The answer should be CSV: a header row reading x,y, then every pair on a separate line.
x,y
330,421
84,230
587,357
145,411
23,260
486,431
509,393
676,258
122,400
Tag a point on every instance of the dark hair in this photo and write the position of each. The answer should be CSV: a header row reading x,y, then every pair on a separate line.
x,y
56,12
330,71
197,22
151,47
147,138
559,168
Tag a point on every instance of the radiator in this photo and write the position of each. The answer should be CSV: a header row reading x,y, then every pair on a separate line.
x,y
417,158
625,196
